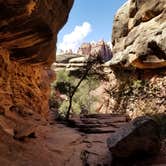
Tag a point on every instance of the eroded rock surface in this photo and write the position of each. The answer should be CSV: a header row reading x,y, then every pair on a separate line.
x,y
139,35
138,70
139,137
29,28
27,45
138,84
28,32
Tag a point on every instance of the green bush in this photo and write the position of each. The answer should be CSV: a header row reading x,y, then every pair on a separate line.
x,y
65,84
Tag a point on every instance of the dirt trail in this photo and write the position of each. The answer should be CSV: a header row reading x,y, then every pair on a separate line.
x,y
58,145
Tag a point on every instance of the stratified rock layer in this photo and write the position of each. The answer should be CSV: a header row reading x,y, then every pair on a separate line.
x,y
100,48
138,77
139,35
29,28
27,46
28,32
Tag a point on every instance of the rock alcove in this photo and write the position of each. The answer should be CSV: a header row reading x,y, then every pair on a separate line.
x,y
28,33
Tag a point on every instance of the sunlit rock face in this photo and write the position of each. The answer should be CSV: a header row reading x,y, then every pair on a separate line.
x,y
28,33
138,79
23,85
100,48
139,34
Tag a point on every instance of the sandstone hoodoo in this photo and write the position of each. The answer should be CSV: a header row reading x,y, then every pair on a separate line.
x,y
101,48
78,61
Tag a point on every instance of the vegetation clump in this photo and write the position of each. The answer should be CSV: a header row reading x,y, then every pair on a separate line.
x,y
71,88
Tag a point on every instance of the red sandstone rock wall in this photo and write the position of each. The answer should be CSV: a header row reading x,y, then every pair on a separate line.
x,y
30,87
27,45
138,79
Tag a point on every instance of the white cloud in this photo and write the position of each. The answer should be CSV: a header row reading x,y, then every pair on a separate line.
x,y
110,44
75,38
93,42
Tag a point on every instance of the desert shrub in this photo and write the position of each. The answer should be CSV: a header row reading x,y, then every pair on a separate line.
x,y
136,96
82,100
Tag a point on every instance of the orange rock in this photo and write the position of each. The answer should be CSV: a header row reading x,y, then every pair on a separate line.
x,y
27,45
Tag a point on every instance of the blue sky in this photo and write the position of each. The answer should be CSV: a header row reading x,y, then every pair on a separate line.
x,y
89,20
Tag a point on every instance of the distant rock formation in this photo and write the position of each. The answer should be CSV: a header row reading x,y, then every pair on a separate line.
x,y
27,46
84,49
71,61
101,48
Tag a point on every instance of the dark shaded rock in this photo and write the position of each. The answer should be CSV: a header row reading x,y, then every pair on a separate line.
x,y
28,130
140,136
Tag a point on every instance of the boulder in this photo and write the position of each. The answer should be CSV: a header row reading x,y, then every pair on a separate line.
x,y
138,137
28,130
7,128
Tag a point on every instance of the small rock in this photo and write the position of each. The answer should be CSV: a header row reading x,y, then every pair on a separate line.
x,y
6,127
25,131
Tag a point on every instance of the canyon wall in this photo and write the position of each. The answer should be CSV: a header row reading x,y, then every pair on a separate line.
x,y
138,79
28,31
27,40
139,35
28,34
